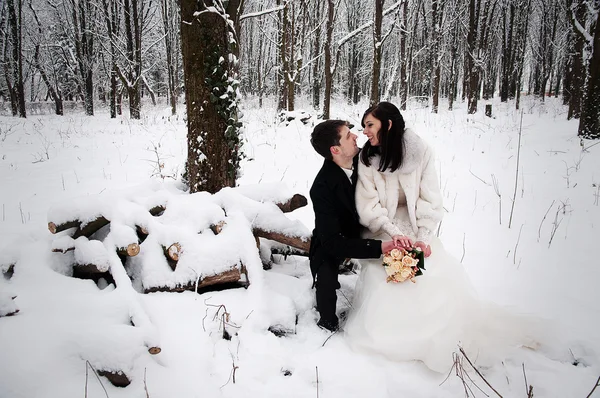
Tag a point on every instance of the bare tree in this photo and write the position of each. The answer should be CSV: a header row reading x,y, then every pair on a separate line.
x,y
328,65
437,10
135,18
377,43
577,12
81,30
170,23
13,55
51,76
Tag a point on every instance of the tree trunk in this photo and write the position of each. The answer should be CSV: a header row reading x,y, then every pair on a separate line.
x,y
578,69
436,19
374,98
327,66
589,124
404,57
316,49
283,66
83,22
170,22
14,23
113,92
520,50
507,60
213,126
473,70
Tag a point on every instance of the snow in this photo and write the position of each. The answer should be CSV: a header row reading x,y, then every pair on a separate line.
x,y
77,167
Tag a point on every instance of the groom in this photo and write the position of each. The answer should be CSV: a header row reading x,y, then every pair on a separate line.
x,y
337,231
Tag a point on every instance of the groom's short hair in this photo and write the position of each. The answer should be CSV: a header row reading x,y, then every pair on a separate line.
x,y
325,135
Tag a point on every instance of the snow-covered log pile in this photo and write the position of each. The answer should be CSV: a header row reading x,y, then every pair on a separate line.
x,y
166,240
158,238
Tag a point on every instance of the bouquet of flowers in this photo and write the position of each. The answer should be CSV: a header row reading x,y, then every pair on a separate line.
x,y
403,264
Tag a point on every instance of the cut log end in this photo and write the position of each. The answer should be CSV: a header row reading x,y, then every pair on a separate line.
x,y
132,250
117,379
55,228
154,350
157,210
174,251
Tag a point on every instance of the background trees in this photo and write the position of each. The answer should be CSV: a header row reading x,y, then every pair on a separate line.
x,y
436,52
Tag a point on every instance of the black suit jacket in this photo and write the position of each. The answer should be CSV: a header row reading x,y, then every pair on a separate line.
x,y
337,231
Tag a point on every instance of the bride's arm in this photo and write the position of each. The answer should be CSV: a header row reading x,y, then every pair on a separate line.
x,y
429,209
371,213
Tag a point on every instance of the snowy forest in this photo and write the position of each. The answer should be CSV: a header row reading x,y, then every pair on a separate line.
x,y
104,52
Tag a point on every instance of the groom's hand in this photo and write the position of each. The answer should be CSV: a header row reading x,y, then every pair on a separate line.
x,y
425,248
402,242
387,246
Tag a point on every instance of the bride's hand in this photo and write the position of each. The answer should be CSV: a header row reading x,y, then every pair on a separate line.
x,y
402,241
425,248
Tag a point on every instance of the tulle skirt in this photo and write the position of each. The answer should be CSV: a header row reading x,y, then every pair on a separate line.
x,y
429,320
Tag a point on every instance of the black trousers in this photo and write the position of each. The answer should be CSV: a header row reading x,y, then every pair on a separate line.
x,y
326,285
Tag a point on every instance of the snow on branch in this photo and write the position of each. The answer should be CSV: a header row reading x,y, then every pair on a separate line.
x,y
579,28
366,25
263,12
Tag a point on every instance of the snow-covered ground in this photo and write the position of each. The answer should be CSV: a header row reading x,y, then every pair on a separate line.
x,y
544,264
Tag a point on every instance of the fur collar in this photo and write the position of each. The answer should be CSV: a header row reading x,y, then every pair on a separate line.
x,y
414,150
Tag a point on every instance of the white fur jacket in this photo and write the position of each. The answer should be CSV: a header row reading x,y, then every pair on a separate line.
x,y
377,193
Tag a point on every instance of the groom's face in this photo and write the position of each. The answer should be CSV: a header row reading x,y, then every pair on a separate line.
x,y
348,147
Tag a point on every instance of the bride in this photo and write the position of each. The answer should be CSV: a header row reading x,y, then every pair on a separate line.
x,y
398,196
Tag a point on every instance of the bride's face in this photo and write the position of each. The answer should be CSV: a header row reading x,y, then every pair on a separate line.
x,y
372,127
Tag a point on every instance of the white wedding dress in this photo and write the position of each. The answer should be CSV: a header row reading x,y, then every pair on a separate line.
x,y
428,320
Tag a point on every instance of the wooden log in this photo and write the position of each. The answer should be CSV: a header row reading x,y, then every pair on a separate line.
x,y
141,232
83,269
90,228
229,277
117,379
289,251
131,250
295,202
55,228
293,241
172,254
218,227
157,210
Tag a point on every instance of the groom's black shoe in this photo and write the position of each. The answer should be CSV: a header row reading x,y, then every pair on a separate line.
x,y
328,325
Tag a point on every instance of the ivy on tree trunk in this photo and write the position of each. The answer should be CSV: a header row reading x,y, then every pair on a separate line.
x,y
211,89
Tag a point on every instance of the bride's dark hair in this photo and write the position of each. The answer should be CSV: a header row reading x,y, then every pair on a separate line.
x,y
391,142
